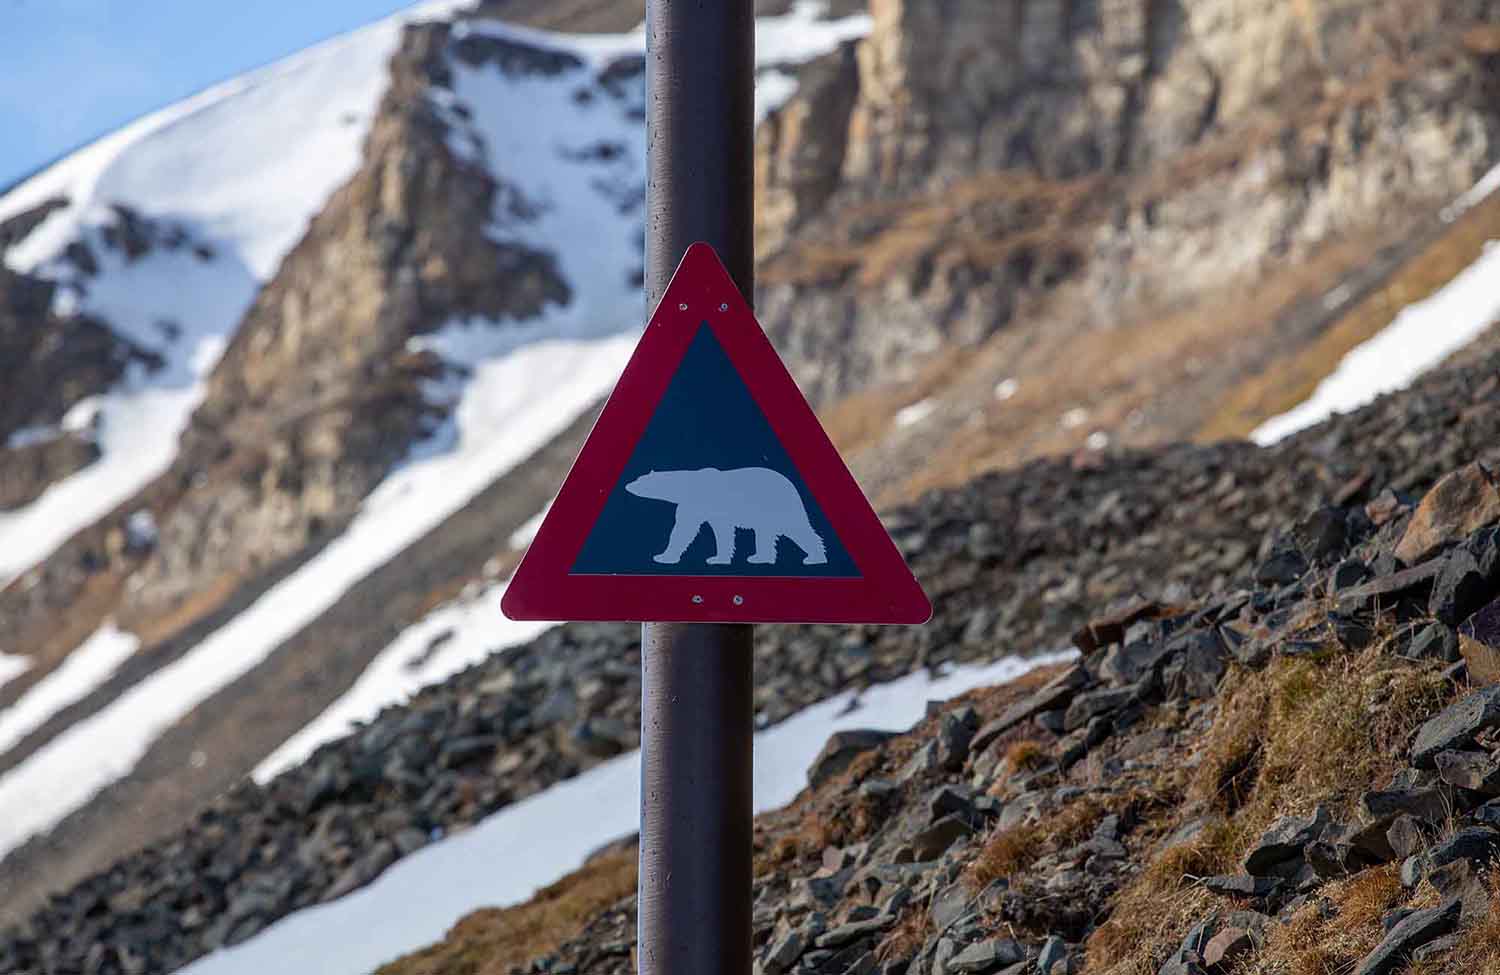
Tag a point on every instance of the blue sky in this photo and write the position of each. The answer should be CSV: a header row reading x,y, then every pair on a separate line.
x,y
73,70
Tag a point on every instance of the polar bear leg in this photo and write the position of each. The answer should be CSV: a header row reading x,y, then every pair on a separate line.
x,y
683,532
724,539
765,548
812,543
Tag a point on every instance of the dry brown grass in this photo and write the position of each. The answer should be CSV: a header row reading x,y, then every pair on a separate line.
x,y
1479,949
156,626
1027,755
1293,377
1287,738
1010,851
490,941
904,940
1316,942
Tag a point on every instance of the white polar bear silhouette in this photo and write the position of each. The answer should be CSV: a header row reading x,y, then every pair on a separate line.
x,y
755,498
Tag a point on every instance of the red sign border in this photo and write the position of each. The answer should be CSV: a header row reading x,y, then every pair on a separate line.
x,y
543,588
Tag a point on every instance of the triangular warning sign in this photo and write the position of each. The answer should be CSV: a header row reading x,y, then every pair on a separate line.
x,y
708,491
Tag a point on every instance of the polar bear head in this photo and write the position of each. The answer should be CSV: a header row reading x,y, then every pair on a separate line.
x,y
676,486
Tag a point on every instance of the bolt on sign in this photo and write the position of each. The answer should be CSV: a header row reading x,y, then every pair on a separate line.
x,y
708,492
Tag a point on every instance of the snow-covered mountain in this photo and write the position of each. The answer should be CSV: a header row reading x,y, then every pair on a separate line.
x,y
177,234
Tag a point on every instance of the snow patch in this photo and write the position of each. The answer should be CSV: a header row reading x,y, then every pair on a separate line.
x,y
526,534
1476,195
543,837
12,666
31,436
915,413
1422,335
90,665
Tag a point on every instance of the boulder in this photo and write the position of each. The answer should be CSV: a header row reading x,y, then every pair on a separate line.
x,y
1477,771
1461,588
1456,726
1279,851
1384,592
986,956
1093,704
1457,506
1393,952
840,750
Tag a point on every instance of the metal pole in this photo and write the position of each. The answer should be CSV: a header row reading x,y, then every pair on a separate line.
x,y
697,683
694,903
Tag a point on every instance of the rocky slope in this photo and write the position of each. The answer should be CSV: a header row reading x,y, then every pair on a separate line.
x,y
1014,563
1297,774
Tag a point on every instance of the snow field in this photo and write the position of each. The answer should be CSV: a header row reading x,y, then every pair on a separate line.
x,y
90,665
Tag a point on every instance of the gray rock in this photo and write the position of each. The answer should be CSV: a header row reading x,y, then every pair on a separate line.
x,y
1428,803
933,842
840,750
955,731
785,951
1279,851
1459,590
1195,673
986,956
1282,567
846,934
1477,844
1457,725
1461,880
951,800
923,761
950,904
1406,837
1051,696
1348,574
1053,956
1476,771
1385,591
1227,947
1433,642
1436,947
1241,886
1412,933
1094,704
1128,663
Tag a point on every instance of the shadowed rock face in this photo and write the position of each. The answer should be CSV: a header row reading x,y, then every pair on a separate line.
x,y
47,363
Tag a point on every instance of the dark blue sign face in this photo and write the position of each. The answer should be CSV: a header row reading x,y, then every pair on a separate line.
x,y
709,490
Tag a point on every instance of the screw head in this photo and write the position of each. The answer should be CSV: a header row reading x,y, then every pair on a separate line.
x,y
724,306
739,600
682,307
698,599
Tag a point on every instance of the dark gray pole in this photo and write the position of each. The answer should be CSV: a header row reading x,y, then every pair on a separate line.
x,y
696,679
